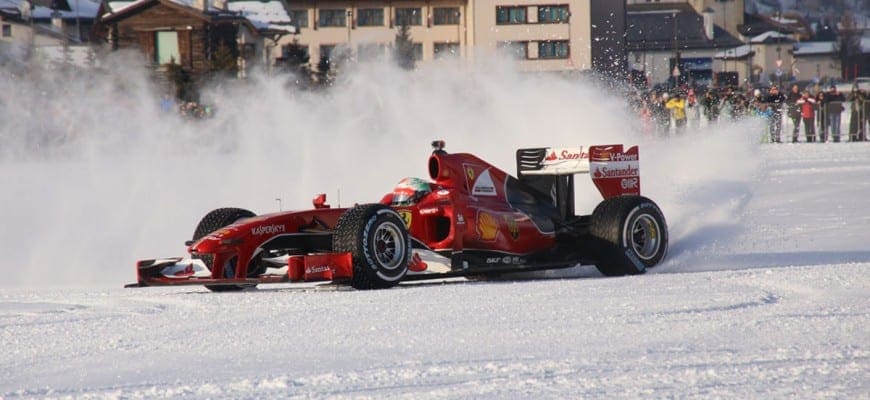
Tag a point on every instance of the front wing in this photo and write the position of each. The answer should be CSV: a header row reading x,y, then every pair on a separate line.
x,y
179,271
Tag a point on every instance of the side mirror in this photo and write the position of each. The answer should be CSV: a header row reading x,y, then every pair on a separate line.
x,y
319,201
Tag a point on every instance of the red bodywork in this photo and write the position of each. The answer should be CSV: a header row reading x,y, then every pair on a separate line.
x,y
468,209
469,195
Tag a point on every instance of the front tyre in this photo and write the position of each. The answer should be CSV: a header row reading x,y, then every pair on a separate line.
x,y
379,244
630,234
217,219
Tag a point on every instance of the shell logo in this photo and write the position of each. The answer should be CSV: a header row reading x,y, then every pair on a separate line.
x,y
487,226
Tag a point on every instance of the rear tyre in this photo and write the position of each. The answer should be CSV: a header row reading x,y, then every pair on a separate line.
x,y
213,221
379,244
630,235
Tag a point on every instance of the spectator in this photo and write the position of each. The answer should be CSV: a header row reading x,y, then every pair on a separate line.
x,y
661,115
821,116
647,119
833,110
756,103
774,102
677,105
794,112
694,108
865,117
166,103
739,106
807,106
858,115
711,106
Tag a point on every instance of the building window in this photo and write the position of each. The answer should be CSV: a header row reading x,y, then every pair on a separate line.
x,y
409,16
326,51
370,17
301,52
371,51
510,15
516,50
299,18
332,18
446,50
7,30
166,48
553,14
446,16
553,49
418,51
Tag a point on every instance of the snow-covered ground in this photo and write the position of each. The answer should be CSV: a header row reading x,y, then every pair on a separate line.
x,y
763,294
771,302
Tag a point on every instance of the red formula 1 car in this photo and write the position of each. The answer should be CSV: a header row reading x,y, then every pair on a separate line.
x,y
471,219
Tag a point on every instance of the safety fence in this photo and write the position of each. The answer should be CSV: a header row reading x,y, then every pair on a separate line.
x,y
853,124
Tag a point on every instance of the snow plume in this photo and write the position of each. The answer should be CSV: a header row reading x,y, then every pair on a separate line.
x,y
96,176
702,181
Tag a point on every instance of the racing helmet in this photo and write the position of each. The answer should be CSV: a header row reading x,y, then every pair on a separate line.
x,y
410,191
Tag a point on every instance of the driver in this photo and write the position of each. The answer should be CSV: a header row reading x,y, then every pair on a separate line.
x,y
409,191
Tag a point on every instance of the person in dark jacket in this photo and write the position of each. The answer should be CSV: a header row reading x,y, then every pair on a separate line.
x,y
661,114
774,102
794,112
833,106
858,115
711,106
821,116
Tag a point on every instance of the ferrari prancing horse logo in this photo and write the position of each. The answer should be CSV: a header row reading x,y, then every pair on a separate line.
x,y
406,217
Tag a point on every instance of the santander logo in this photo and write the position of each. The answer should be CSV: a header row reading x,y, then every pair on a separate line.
x,y
563,155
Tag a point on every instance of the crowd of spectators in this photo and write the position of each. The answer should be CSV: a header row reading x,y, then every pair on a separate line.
x,y
187,109
818,114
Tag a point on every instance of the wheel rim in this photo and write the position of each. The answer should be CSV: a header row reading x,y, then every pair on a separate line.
x,y
388,246
644,237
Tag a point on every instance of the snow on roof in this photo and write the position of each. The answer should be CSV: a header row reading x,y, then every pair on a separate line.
x,y
783,20
737,52
769,35
263,15
117,6
813,48
79,8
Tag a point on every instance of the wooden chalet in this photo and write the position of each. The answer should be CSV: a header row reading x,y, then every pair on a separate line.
x,y
189,33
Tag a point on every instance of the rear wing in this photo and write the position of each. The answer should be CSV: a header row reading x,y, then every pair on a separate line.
x,y
614,171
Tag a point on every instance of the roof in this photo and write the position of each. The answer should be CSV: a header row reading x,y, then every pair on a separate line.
x,y
737,53
264,15
814,48
771,37
82,9
652,26
126,6
754,24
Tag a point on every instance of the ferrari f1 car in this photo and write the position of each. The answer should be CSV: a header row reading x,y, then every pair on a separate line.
x,y
469,219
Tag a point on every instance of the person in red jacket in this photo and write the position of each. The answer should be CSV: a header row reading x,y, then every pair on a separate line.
x,y
807,107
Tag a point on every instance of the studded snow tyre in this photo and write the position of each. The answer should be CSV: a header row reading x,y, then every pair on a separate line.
x,y
379,244
630,235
